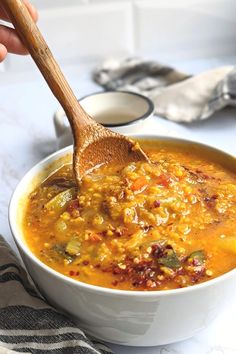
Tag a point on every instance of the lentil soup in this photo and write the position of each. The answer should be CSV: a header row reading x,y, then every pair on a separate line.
x,y
145,226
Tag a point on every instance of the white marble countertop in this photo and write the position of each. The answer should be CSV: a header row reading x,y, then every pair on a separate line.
x,y
27,135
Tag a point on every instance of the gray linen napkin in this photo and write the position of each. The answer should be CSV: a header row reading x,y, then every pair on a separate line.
x,y
177,96
27,323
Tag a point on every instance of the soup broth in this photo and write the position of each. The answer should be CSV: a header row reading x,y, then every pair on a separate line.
x,y
146,226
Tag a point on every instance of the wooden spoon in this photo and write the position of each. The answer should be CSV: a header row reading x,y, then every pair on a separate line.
x,y
94,145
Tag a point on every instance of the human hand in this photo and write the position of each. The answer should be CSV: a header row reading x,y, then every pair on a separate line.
x,y
9,40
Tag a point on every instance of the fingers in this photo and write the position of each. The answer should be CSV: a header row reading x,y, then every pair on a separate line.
x,y
3,52
11,41
33,12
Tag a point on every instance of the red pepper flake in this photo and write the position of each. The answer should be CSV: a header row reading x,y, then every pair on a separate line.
x,y
147,228
117,270
164,181
95,237
147,273
211,200
73,205
205,176
77,273
97,265
157,204
85,262
71,273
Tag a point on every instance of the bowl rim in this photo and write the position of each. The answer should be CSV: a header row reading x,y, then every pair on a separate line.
x,y
148,113
22,246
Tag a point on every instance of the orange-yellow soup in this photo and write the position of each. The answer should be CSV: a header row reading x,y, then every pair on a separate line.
x,y
145,226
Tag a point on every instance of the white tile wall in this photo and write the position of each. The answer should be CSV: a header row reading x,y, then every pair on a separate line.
x,y
181,29
95,30
45,4
90,30
165,29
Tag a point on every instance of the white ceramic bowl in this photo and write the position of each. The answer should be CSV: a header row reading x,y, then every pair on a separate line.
x,y
122,112
133,318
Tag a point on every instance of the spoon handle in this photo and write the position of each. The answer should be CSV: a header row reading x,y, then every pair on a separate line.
x,y
40,52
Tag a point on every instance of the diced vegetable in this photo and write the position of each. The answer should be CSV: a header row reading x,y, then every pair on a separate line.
x,y
170,259
129,215
59,203
60,250
139,183
60,226
164,181
73,247
197,258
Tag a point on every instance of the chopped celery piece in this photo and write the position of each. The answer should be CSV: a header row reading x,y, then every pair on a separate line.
x,y
73,247
59,203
